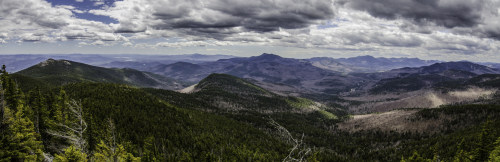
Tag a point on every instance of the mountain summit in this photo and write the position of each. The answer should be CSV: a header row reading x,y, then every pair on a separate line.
x,y
266,56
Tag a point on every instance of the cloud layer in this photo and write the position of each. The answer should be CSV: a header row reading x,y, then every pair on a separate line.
x,y
461,27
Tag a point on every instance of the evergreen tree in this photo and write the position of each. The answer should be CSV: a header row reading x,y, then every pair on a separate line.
x,y
13,96
462,155
61,105
149,150
2,99
415,158
18,137
112,154
40,111
484,145
495,154
19,142
71,154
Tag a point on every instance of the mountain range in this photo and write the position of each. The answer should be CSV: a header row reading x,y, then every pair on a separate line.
x,y
18,62
265,108
367,63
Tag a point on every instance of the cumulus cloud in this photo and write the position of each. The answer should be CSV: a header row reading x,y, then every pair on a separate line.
x,y
476,17
216,18
38,20
449,13
32,13
406,27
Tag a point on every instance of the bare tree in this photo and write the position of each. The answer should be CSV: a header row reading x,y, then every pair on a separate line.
x,y
299,151
73,129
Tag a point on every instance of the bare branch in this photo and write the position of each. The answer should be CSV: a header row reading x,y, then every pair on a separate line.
x,y
299,151
73,130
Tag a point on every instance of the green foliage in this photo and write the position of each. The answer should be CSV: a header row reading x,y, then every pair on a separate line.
x,y
71,154
18,140
415,158
495,154
485,143
299,103
225,82
183,133
112,153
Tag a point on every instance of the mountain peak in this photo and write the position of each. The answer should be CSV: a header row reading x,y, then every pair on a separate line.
x,y
267,56
52,61
365,56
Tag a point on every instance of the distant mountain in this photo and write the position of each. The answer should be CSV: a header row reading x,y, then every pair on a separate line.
x,y
142,66
268,70
461,66
229,94
60,72
411,79
15,63
367,63
182,70
267,67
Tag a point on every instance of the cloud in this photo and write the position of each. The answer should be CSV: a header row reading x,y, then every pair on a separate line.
x,y
35,37
475,17
38,20
216,18
33,13
448,13
403,27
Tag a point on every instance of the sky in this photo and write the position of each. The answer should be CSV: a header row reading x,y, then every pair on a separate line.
x,y
428,29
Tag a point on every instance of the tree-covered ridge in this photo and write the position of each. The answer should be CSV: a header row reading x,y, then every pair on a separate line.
x,y
179,132
60,72
228,93
89,121
229,83
334,144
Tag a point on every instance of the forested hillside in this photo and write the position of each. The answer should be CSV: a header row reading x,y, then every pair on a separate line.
x,y
95,121
60,72
224,118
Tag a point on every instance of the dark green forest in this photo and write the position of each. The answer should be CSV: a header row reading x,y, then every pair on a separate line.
x,y
225,119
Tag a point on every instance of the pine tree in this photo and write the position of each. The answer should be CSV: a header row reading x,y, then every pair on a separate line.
x,y
415,158
19,142
485,142
462,155
71,154
495,154
61,105
18,137
40,111
2,99
112,154
13,96
149,150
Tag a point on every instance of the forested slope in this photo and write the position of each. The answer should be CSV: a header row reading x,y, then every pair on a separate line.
x,y
225,118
